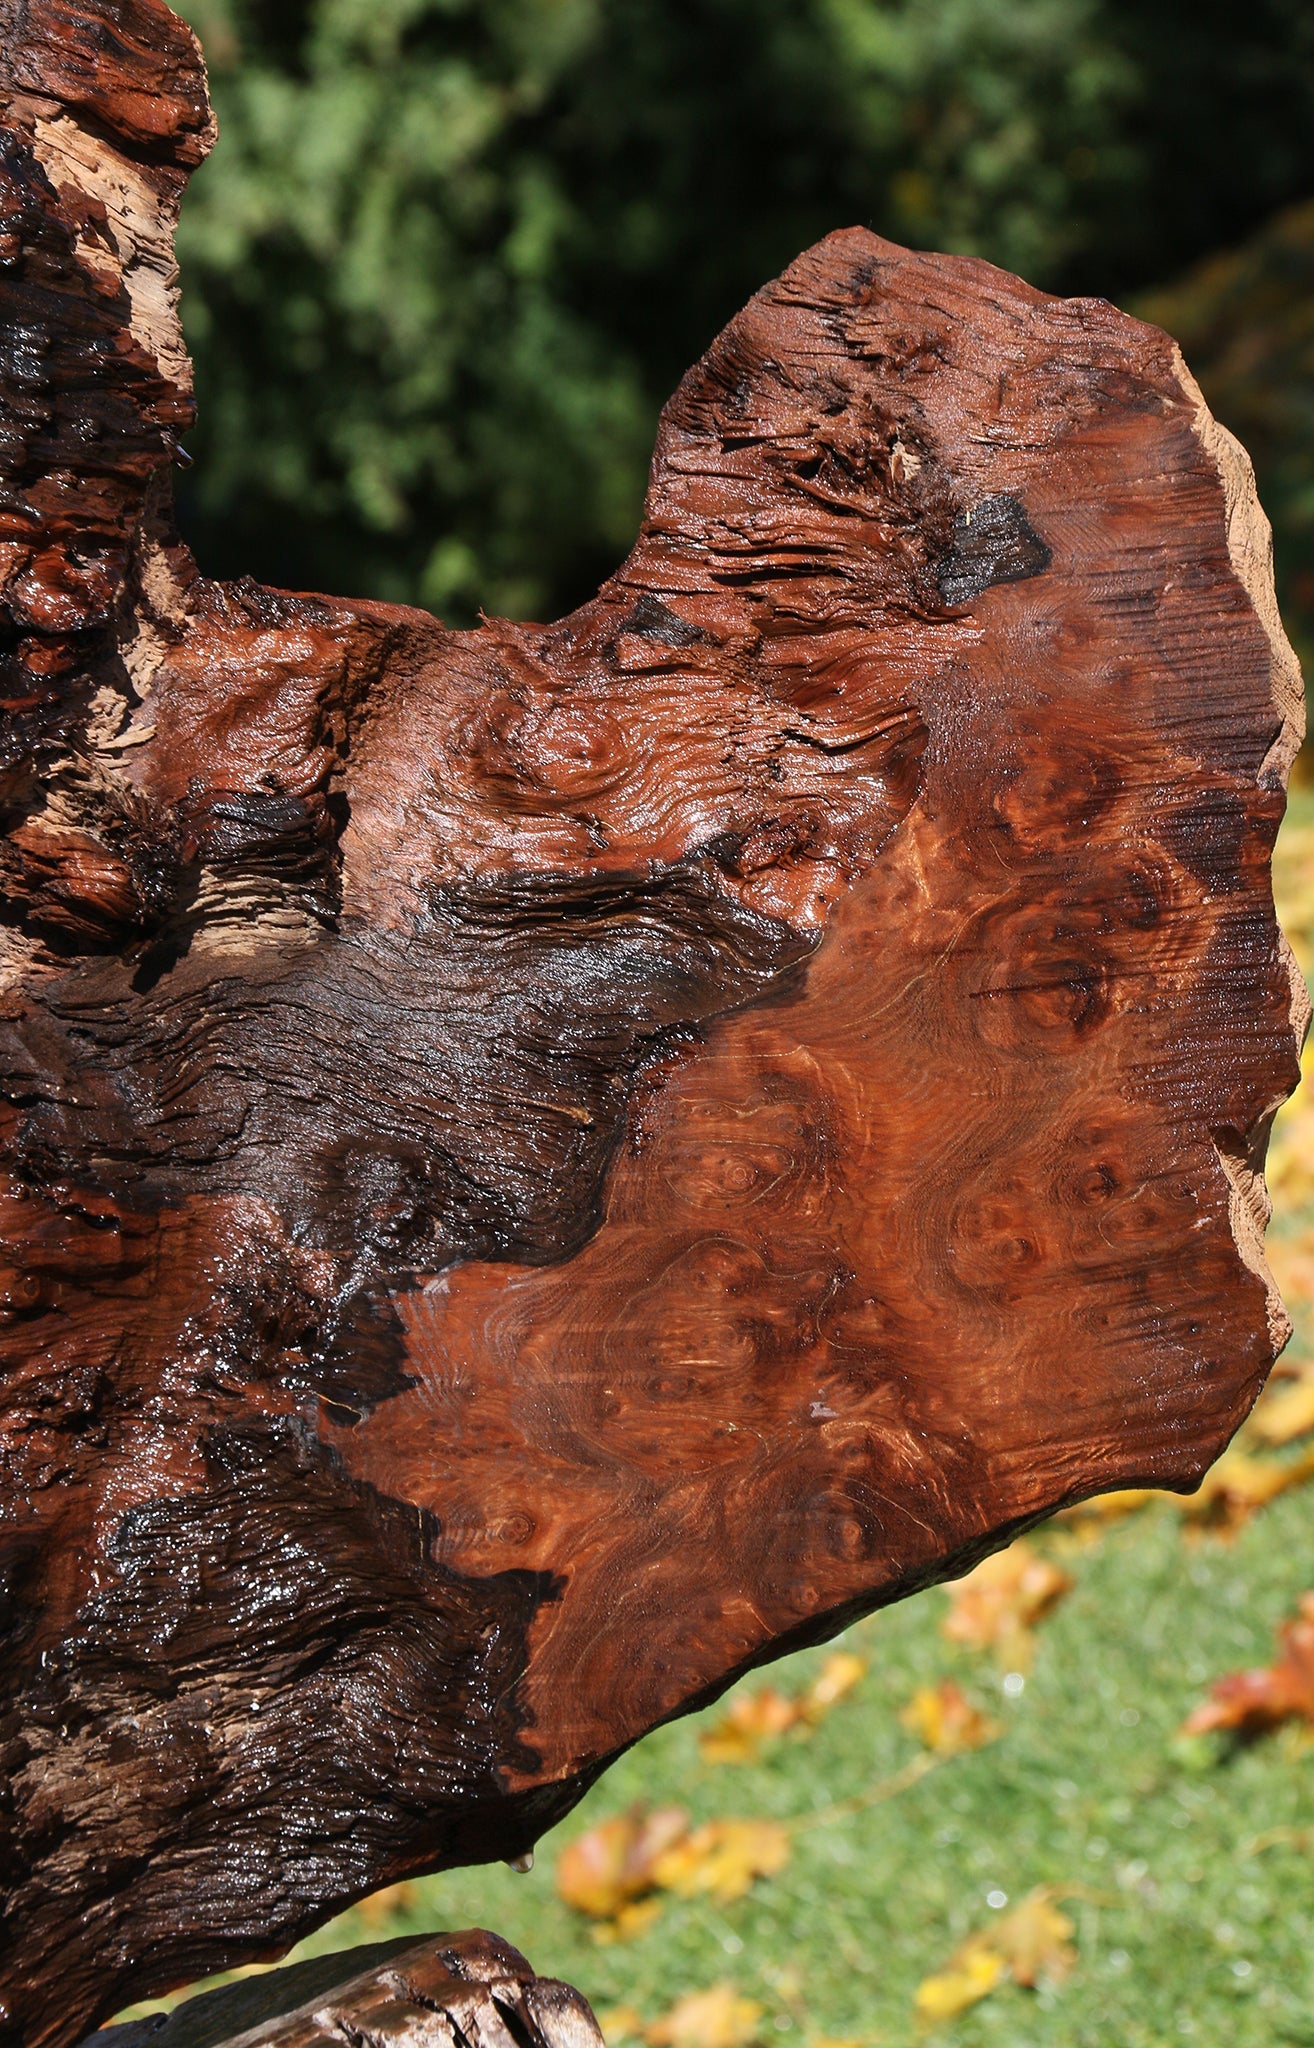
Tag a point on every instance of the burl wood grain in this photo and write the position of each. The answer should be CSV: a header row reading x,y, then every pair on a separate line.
x,y
547,1165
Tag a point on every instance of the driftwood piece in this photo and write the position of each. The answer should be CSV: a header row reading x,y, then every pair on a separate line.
x,y
469,1990
545,1166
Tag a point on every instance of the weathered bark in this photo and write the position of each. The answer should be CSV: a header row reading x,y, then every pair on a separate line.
x,y
547,1165
441,1991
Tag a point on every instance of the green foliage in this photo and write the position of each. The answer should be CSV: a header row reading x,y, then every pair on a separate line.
x,y
395,401
450,256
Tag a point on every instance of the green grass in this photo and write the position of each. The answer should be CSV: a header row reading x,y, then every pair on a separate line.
x,y
1181,1935
1184,1933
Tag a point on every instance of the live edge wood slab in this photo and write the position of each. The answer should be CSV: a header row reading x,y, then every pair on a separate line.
x,y
545,1166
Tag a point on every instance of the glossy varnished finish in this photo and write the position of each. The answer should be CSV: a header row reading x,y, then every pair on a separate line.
x,y
546,1165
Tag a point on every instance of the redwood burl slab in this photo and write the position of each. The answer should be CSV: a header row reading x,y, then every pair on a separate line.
x,y
549,1164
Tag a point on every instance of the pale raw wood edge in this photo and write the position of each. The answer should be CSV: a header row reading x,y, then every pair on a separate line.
x,y
142,220
1250,544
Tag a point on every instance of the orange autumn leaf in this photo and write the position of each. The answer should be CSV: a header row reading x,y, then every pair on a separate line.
x,y
723,1857
838,1675
716,2018
946,1721
1251,1702
750,1720
606,1870
1237,1485
999,1604
754,1718
610,1872
1024,1946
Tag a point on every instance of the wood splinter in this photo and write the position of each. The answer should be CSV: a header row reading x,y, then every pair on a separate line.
x,y
546,1166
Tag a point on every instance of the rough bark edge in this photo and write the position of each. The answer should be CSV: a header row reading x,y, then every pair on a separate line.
x,y
1250,547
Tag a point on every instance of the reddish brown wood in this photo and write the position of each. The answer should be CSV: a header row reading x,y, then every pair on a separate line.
x,y
548,1165
467,1990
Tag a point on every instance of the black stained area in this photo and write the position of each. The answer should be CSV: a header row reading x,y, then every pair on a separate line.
x,y
401,1101
994,542
451,1091
653,620
253,1683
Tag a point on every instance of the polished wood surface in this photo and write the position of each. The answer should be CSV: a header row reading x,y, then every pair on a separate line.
x,y
547,1165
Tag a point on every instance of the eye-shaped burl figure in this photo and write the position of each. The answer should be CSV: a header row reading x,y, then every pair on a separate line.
x,y
544,1166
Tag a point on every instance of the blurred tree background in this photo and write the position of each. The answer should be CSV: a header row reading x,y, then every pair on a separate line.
x,y
450,256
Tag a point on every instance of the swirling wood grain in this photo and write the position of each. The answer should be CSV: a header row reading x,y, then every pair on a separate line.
x,y
547,1165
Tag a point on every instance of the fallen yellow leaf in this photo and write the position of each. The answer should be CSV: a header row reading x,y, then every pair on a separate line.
x,y
629,1922
1290,1167
610,1871
838,1675
750,1720
1237,1485
1285,1410
1292,1258
1035,1939
608,1868
999,1603
971,1975
717,2018
753,1718
1023,1946
723,1857
946,1721
1109,1507
620,2023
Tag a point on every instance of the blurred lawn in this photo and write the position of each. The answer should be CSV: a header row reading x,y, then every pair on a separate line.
x,y
1185,1929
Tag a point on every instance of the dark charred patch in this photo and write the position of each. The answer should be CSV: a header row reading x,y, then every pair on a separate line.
x,y
1213,838
282,1611
993,543
452,1092
653,620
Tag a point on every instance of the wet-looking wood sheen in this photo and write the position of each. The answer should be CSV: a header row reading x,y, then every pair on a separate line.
x,y
545,1165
